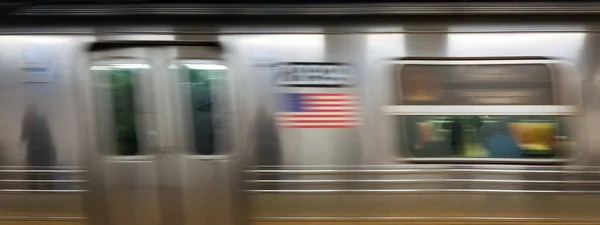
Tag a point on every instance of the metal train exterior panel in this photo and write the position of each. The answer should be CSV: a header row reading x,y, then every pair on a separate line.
x,y
403,123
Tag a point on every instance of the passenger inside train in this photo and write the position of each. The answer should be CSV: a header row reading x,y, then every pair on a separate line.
x,y
489,136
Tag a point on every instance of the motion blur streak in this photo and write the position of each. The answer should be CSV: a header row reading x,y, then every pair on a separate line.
x,y
310,120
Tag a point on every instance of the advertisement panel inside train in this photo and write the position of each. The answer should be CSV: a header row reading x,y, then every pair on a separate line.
x,y
520,84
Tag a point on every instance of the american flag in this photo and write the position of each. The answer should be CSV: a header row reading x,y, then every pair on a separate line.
x,y
317,110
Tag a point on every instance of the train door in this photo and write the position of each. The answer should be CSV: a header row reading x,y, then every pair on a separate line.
x,y
160,117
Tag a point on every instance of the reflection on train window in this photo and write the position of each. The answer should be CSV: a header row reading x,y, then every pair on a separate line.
x,y
518,84
116,91
487,136
205,88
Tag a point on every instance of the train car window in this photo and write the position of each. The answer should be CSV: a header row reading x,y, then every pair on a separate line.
x,y
513,136
488,110
204,88
115,105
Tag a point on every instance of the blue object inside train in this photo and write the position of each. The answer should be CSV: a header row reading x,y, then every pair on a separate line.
x,y
502,146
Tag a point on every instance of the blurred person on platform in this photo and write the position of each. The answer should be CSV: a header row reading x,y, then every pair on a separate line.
x,y
35,134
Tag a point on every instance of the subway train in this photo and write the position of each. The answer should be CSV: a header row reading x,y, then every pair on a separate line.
x,y
347,114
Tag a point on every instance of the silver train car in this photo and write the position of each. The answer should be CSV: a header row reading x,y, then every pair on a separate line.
x,y
357,121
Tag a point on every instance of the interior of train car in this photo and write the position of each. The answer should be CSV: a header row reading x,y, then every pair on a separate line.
x,y
188,112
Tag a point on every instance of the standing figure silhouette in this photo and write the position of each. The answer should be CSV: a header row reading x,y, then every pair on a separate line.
x,y
457,126
35,133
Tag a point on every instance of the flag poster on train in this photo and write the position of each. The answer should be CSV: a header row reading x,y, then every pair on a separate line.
x,y
317,110
316,95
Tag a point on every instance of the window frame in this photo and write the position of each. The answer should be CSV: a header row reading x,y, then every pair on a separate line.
x,y
188,151
389,108
145,154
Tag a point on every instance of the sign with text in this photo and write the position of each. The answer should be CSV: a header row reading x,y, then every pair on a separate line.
x,y
314,74
517,84
38,66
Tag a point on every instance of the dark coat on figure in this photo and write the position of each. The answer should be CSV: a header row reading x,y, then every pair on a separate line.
x,y
36,134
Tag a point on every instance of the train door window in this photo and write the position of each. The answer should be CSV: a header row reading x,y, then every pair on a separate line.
x,y
118,103
480,109
203,90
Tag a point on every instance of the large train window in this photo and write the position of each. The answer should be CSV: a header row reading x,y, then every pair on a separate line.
x,y
495,136
118,103
204,96
481,109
